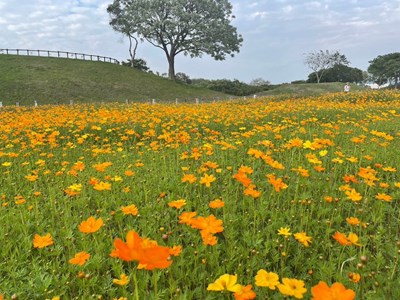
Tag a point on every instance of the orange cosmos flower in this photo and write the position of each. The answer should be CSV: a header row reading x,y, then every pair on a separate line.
x,y
318,168
208,238
175,250
102,167
129,173
32,178
91,225
354,277
383,197
210,224
245,169
207,179
93,181
242,178
252,192
245,293
130,210
102,186
189,178
80,258
277,183
353,195
336,292
187,218
353,221
177,203
218,203
341,238
42,241
351,239
146,252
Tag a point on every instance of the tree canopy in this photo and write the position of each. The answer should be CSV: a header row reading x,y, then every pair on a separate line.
x,y
191,27
339,73
320,61
385,69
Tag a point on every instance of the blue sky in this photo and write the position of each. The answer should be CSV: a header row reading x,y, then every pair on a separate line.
x,y
277,34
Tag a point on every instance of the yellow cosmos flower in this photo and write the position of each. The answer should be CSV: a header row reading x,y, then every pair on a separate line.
x,y
267,279
292,287
285,231
225,282
123,280
303,238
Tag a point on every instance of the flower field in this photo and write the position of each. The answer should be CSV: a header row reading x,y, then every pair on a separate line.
x,y
253,199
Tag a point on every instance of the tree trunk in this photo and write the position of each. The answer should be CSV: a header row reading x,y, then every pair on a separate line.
x,y
171,67
132,49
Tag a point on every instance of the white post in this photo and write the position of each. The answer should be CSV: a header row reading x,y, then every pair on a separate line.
x,y
153,101
176,101
127,101
71,102
197,100
35,103
1,104
254,96
17,104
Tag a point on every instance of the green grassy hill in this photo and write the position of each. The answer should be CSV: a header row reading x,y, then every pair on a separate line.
x,y
309,89
24,79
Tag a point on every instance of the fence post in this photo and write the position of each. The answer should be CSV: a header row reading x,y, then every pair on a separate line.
x,y
176,101
126,101
35,103
197,100
71,102
17,104
153,101
1,104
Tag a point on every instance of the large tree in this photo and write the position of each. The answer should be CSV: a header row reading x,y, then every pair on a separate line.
x,y
385,69
121,22
320,61
191,27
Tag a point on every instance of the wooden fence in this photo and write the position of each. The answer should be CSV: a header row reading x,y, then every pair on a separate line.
x,y
59,54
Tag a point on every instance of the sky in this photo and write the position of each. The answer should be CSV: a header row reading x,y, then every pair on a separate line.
x,y
277,35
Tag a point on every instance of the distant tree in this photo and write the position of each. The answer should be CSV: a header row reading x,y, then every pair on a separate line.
x,y
120,22
320,61
259,82
339,73
137,63
385,69
191,27
182,77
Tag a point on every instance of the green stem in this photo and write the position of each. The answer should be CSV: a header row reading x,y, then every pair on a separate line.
x,y
136,286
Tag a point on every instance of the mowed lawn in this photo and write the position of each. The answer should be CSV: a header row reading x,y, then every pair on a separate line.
x,y
249,199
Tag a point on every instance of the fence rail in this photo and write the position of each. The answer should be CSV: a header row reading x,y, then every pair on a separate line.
x,y
59,54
